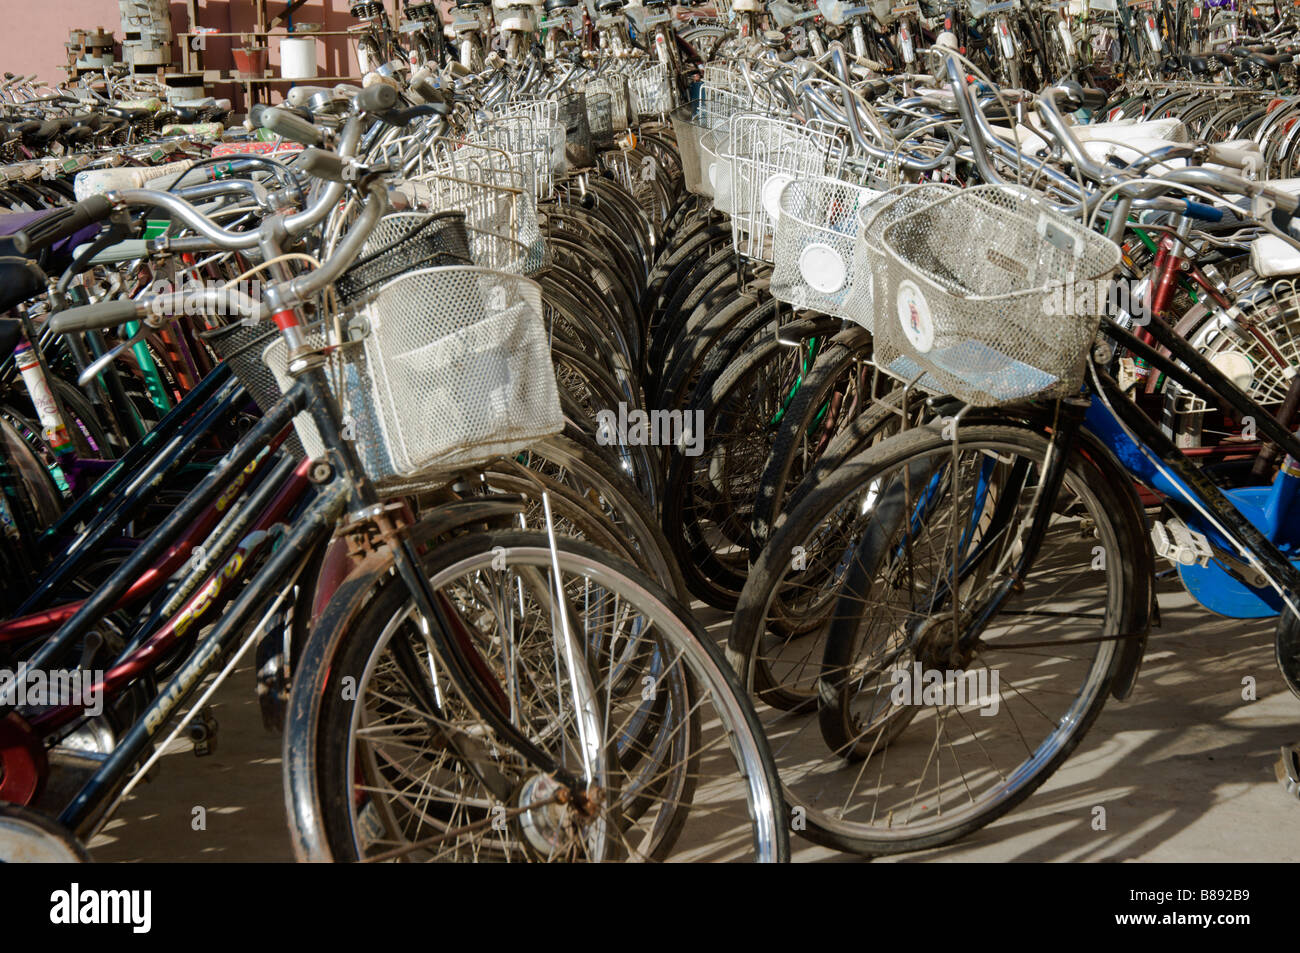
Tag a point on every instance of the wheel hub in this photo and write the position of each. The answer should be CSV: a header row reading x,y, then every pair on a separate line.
x,y
546,827
27,837
559,812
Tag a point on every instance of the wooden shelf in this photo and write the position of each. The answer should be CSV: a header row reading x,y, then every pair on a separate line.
x,y
278,31
260,32
236,78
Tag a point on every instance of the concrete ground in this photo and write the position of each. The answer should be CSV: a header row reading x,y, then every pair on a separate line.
x,y
1183,770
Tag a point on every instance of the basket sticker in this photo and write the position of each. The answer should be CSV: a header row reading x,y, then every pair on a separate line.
x,y
772,190
823,268
914,316
713,174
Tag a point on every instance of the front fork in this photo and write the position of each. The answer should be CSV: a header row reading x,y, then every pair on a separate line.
x,y
1065,432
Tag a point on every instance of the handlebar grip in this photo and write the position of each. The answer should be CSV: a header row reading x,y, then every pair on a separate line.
x,y
105,314
291,126
322,164
301,95
1205,213
377,98
51,229
1095,99
1244,159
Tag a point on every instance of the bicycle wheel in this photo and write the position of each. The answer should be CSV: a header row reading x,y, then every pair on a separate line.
x,y
636,703
995,710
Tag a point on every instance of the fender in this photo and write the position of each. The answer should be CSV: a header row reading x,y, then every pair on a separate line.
x,y
348,599
853,336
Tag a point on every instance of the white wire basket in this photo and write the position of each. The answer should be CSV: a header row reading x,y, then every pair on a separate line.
x,y
812,265
497,199
532,133
868,255
764,154
976,296
430,390
652,92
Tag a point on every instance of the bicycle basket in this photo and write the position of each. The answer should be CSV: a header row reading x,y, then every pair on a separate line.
x,y
600,117
532,134
241,345
978,293
868,256
495,191
651,91
616,88
579,152
431,389
715,171
815,234
403,241
765,155
688,132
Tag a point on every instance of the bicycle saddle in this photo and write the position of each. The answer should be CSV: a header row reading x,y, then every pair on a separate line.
x,y
20,279
43,134
1269,60
552,5
130,115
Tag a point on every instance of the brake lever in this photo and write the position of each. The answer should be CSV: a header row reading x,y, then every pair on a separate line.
x,y
87,376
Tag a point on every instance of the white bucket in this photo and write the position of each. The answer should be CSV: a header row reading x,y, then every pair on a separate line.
x,y
298,58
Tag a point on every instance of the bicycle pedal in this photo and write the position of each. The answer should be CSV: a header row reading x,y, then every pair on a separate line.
x,y
1174,541
203,732
1287,769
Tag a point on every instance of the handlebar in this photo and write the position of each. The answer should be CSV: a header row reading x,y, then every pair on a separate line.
x,y
62,224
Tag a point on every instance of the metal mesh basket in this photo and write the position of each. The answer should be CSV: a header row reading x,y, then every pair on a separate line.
x,y
497,199
431,389
765,154
688,132
615,87
652,91
600,117
579,152
815,236
971,296
403,241
868,255
240,345
715,169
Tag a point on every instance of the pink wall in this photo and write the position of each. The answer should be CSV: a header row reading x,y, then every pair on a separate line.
x,y
33,37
